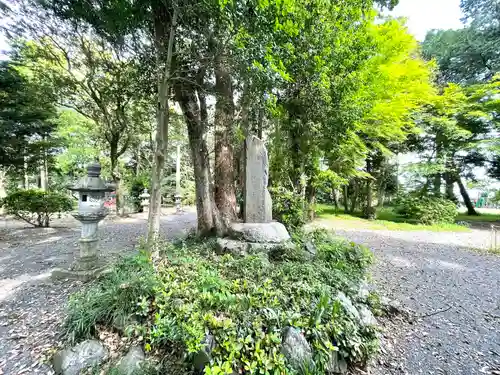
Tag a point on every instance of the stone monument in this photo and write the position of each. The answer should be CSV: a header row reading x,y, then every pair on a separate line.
x,y
91,196
258,233
258,204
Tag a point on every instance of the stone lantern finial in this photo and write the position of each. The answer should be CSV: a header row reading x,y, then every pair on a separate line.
x,y
94,169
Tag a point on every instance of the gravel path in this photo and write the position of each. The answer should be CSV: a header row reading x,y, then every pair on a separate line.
x,y
454,292
31,305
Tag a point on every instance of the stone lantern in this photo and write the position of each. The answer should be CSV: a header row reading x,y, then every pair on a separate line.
x,y
145,200
91,191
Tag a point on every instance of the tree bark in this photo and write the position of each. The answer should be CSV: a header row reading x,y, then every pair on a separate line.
x,y
44,178
225,193
209,221
449,193
335,199
354,196
346,201
471,211
25,174
3,190
115,174
162,123
311,201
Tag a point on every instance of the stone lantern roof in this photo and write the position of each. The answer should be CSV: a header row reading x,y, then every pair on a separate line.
x,y
91,182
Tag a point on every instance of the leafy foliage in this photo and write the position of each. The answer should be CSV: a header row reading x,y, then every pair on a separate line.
x,y
427,210
36,206
244,303
26,107
288,208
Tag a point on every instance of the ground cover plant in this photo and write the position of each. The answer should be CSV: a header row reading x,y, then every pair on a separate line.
x,y
242,305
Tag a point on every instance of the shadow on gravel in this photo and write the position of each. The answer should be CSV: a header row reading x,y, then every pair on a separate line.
x,y
455,294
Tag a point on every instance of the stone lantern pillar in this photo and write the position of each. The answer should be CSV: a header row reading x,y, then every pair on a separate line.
x,y
91,191
145,200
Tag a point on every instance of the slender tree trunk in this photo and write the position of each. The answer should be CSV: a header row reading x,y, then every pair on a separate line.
x,y
381,197
354,196
43,175
25,173
369,182
346,200
3,190
162,123
225,193
437,176
115,174
449,193
335,199
468,203
311,202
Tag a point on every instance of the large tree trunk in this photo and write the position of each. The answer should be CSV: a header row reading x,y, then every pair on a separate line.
x,y
162,123
449,193
468,203
225,193
209,221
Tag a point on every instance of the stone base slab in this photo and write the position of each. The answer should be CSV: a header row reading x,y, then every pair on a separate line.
x,y
86,275
243,248
273,232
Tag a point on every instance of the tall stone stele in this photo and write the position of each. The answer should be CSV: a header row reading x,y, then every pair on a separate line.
x,y
91,191
258,233
258,203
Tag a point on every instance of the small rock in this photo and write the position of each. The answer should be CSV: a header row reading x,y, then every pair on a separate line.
x,y
363,292
347,305
203,357
234,247
390,307
366,317
131,363
73,360
336,364
310,250
295,348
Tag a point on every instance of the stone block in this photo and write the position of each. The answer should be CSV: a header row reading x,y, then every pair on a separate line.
x,y
273,232
73,360
131,363
296,349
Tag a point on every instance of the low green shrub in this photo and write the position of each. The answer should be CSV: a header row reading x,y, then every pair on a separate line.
x,y
115,297
427,210
36,206
244,303
288,208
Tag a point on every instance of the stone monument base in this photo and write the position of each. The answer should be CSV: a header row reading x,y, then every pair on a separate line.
x,y
81,275
253,238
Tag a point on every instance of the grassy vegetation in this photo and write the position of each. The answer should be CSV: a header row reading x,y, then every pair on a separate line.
x,y
387,219
243,302
482,218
